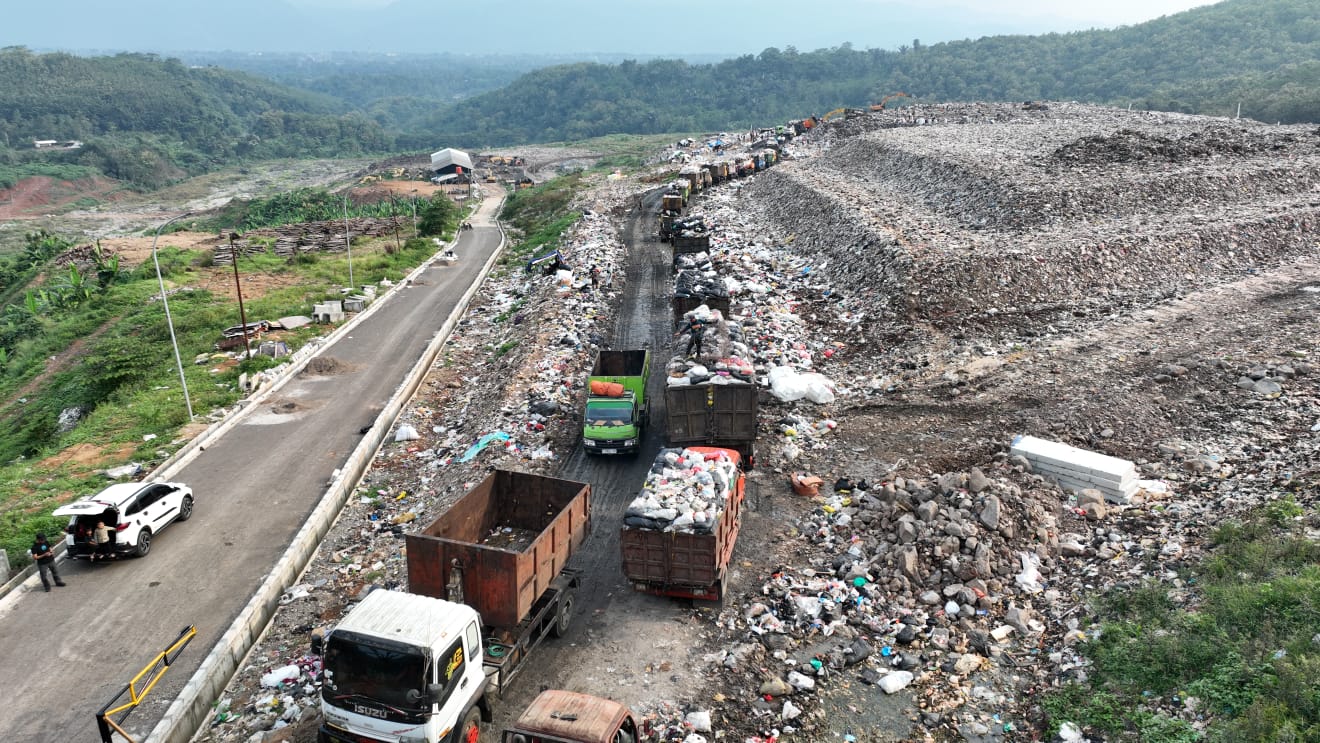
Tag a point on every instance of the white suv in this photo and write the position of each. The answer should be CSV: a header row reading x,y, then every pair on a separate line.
x,y
134,512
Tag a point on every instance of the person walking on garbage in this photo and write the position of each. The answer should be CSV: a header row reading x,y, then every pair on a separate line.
x,y
694,327
44,556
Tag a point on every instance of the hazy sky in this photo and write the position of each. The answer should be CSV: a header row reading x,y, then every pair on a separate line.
x,y
643,27
1089,12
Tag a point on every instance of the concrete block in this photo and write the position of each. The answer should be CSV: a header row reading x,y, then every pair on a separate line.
x,y
1079,469
1080,460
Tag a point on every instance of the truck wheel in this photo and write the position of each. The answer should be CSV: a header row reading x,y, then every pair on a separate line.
x,y
470,730
564,615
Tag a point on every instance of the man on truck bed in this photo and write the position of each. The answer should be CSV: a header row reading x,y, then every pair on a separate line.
x,y
694,326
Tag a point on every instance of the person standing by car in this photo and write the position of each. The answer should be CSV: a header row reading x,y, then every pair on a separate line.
x,y
100,540
45,558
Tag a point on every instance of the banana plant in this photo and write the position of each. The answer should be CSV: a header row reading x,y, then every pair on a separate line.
x,y
75,290
107,266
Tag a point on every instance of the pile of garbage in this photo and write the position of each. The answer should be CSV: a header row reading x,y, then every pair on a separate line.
x,y
1021,222
701,262
702,283
724,357
690,226
685,491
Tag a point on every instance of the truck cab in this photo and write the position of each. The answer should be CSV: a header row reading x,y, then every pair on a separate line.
x,y
402,667
568,717
616,411
612,425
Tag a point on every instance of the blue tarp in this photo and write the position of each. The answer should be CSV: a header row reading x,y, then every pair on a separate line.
x,y
482,443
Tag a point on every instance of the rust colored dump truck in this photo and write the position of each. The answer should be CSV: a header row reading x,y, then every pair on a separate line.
x,y
723,415
668,559
487,582
568,717
503,549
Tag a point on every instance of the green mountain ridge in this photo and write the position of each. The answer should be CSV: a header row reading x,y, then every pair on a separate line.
x,y
1260,53
147,120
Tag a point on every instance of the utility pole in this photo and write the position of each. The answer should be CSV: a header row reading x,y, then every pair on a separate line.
x,y
394,218
242,316
348,243
414,208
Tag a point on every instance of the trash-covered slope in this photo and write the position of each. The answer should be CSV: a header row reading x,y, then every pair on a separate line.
x,y
994,216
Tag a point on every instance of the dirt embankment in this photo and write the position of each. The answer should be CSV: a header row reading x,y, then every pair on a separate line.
x,y
42,196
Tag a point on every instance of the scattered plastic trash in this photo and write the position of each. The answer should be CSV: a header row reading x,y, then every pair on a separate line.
x,y
482,443
806,485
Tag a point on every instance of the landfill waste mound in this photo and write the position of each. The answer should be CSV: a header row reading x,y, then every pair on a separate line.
x,y
1000,218
912,290
1133,146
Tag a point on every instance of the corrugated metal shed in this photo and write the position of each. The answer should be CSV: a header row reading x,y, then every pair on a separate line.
x,y
408,618
449,157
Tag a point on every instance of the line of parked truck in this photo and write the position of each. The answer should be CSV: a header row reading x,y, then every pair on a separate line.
x,y
488,580
692,179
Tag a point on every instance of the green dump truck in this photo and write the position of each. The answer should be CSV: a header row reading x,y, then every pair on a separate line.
x,y
617,409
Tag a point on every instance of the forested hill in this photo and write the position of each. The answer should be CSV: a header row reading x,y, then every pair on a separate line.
x,y
1264,54
145,119
148,120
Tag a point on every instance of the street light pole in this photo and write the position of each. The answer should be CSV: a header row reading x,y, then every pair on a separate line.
x,y
168,319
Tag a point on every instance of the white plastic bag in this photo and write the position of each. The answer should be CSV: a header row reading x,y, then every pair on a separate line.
x,y
895,680
1029,579
786,384
279,676
699,720
820,389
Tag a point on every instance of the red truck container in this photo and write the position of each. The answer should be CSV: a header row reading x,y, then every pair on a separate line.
x,y
671,563
502,549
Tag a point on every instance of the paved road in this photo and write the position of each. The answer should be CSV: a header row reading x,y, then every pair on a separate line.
x,y
63,655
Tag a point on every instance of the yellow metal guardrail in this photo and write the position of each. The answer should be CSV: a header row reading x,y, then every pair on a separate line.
x,y
138,688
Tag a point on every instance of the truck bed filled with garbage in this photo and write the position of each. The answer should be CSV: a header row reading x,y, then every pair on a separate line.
x,y
685,491
678,534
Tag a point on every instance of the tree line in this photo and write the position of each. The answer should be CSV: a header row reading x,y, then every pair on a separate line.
x,y
148,120
151,121
1262,54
